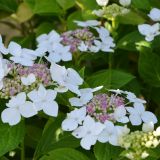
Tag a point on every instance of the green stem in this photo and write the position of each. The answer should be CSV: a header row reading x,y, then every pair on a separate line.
x,y
22,151
110,60
110,69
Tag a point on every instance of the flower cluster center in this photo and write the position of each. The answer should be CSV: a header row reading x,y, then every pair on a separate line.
x,y
102,106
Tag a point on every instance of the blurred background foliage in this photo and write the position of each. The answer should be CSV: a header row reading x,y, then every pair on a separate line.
x,y
134,66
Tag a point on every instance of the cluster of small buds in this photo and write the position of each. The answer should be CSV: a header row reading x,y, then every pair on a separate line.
x,y
136,144
114,10
102,106
40,71
12,84
74,38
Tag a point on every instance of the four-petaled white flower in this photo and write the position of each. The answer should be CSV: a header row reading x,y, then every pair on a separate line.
x,y
28,80
17,107
43,99
46,42
112,133
149,31
73,119
83,47
103,33
109,134
125,3
3,49
59,52
67,79
89,23
155,14
102,2
120,115
104,46
138,114
21,55
86,96
105,43
88,132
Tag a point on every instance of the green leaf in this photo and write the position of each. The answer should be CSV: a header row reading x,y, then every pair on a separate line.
x,y
66,4
65,154
110,78
8,5
141,4
155,3
74,16
43,28
3,158
87,4
10,136
132,41
155,94
47,7
31,3
149,67
26,42
105,151
154,154
131,17
54,138
82,72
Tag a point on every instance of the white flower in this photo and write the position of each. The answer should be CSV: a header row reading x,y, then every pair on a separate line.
x,y
102,2
103,33
148,127
47,41
155,14
89,23
51,37
51,43
3,70
86,96
120,115
20,55
67,79
133,99
125,3
73,119
109,134
138,114
59,52
28,80
104,46
89,132
18,106
83,47
43,99
3,49
149,31
106,42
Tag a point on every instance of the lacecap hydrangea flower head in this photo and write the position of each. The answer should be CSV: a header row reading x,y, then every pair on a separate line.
x,y
104,116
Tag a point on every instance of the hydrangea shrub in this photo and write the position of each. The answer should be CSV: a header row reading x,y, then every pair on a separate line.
x,y
79,79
